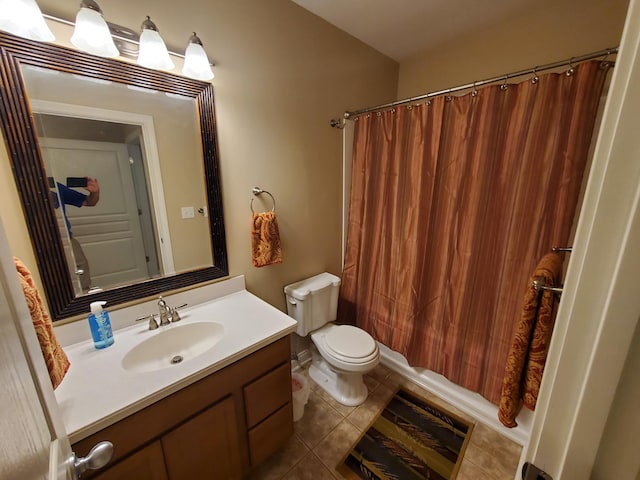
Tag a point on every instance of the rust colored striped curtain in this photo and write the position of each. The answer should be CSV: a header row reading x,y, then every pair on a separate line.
x,y
452,204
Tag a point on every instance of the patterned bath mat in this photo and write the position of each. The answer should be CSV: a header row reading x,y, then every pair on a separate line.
x,y
410,439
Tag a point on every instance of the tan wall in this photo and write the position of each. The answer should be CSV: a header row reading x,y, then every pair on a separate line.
x,y
550,31
281,75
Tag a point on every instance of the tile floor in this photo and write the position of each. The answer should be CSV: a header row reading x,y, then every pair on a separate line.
x,y
328,430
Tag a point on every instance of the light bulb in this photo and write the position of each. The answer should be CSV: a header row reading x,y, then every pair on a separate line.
x,y
153,52
196,62
24,18
91,33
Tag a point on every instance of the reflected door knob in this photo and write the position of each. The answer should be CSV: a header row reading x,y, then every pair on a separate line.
x,y
98,457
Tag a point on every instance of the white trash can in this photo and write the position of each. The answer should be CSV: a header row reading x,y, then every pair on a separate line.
x,y
300,392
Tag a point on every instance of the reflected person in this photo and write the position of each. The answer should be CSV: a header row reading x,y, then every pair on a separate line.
x,y
69,196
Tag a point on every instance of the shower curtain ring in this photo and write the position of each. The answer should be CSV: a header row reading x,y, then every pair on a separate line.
x,y
474,92
504,85
570,71
535,77
604,63
449,97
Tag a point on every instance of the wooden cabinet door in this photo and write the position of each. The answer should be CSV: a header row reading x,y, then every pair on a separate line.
x,y
145,464
207,446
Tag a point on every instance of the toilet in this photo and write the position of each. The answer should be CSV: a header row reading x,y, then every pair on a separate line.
x,y
342,353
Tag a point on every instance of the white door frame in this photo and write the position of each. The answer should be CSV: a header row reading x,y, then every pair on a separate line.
x,y
600,304
33,443
150,148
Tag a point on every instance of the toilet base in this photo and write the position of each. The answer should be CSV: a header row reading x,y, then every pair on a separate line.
x,y
345,388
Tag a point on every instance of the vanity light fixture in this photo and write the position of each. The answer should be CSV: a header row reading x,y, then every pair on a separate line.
x,y
91,33
24,18
196,62
153,52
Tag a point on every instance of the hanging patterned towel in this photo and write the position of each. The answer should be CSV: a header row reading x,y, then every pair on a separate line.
x,y
54,356
265,239
528,354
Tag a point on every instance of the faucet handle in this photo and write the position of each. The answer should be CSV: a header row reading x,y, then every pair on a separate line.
x,y
175,316
152,321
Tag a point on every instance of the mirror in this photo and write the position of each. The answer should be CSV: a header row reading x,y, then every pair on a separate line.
x,y
149,140
115,134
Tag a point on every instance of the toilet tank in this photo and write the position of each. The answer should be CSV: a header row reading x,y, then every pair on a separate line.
x,y
313,302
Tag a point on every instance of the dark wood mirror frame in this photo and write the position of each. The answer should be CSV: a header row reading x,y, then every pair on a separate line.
x,y
31,179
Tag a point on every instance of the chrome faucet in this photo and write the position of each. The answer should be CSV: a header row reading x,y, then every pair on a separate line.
x,y
165,312
167,315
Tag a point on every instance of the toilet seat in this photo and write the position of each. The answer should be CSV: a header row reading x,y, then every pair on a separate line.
x,y
349,344
341,346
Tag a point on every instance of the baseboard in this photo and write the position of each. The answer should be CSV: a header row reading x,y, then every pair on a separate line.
x,y
469,402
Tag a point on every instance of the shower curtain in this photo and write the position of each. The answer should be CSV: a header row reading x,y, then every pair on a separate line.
x,y
452,203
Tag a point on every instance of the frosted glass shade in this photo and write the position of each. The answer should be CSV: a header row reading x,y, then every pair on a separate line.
x,y
196,63
91,34
153,52
24,18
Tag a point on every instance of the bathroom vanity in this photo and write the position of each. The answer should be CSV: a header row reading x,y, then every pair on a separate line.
x,y
218,427
217,414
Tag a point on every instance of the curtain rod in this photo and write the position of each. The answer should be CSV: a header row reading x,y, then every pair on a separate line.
x,y
550,66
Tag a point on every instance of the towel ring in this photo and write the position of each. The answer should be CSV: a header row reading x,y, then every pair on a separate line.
x,y
257,191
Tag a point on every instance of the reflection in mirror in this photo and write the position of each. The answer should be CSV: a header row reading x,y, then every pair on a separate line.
x,y
128,159
126,238
114,243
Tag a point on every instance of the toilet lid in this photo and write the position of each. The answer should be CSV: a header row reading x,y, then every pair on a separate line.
x,y
350,342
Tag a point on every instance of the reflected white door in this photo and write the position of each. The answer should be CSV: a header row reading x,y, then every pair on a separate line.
x,y
109,232
147,227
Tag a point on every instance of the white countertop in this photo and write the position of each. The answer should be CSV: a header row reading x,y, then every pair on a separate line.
x,y
97,391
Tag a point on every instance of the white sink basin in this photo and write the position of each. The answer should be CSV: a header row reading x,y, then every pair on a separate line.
x,y
173,346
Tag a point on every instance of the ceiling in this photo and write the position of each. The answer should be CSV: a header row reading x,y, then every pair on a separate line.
x,y
401,28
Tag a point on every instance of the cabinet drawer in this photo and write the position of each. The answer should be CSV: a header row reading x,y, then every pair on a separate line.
x,y
267,437
265,395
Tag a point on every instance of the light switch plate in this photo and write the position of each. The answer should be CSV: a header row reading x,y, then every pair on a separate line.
x,y
188,212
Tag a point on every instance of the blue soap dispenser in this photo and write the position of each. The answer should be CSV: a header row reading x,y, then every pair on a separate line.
x,y
100,326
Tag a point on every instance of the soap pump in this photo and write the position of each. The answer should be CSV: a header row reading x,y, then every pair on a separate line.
x,y
100,326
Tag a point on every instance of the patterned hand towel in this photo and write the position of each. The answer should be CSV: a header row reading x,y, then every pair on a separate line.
x,y
265,239
528,353
54,356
